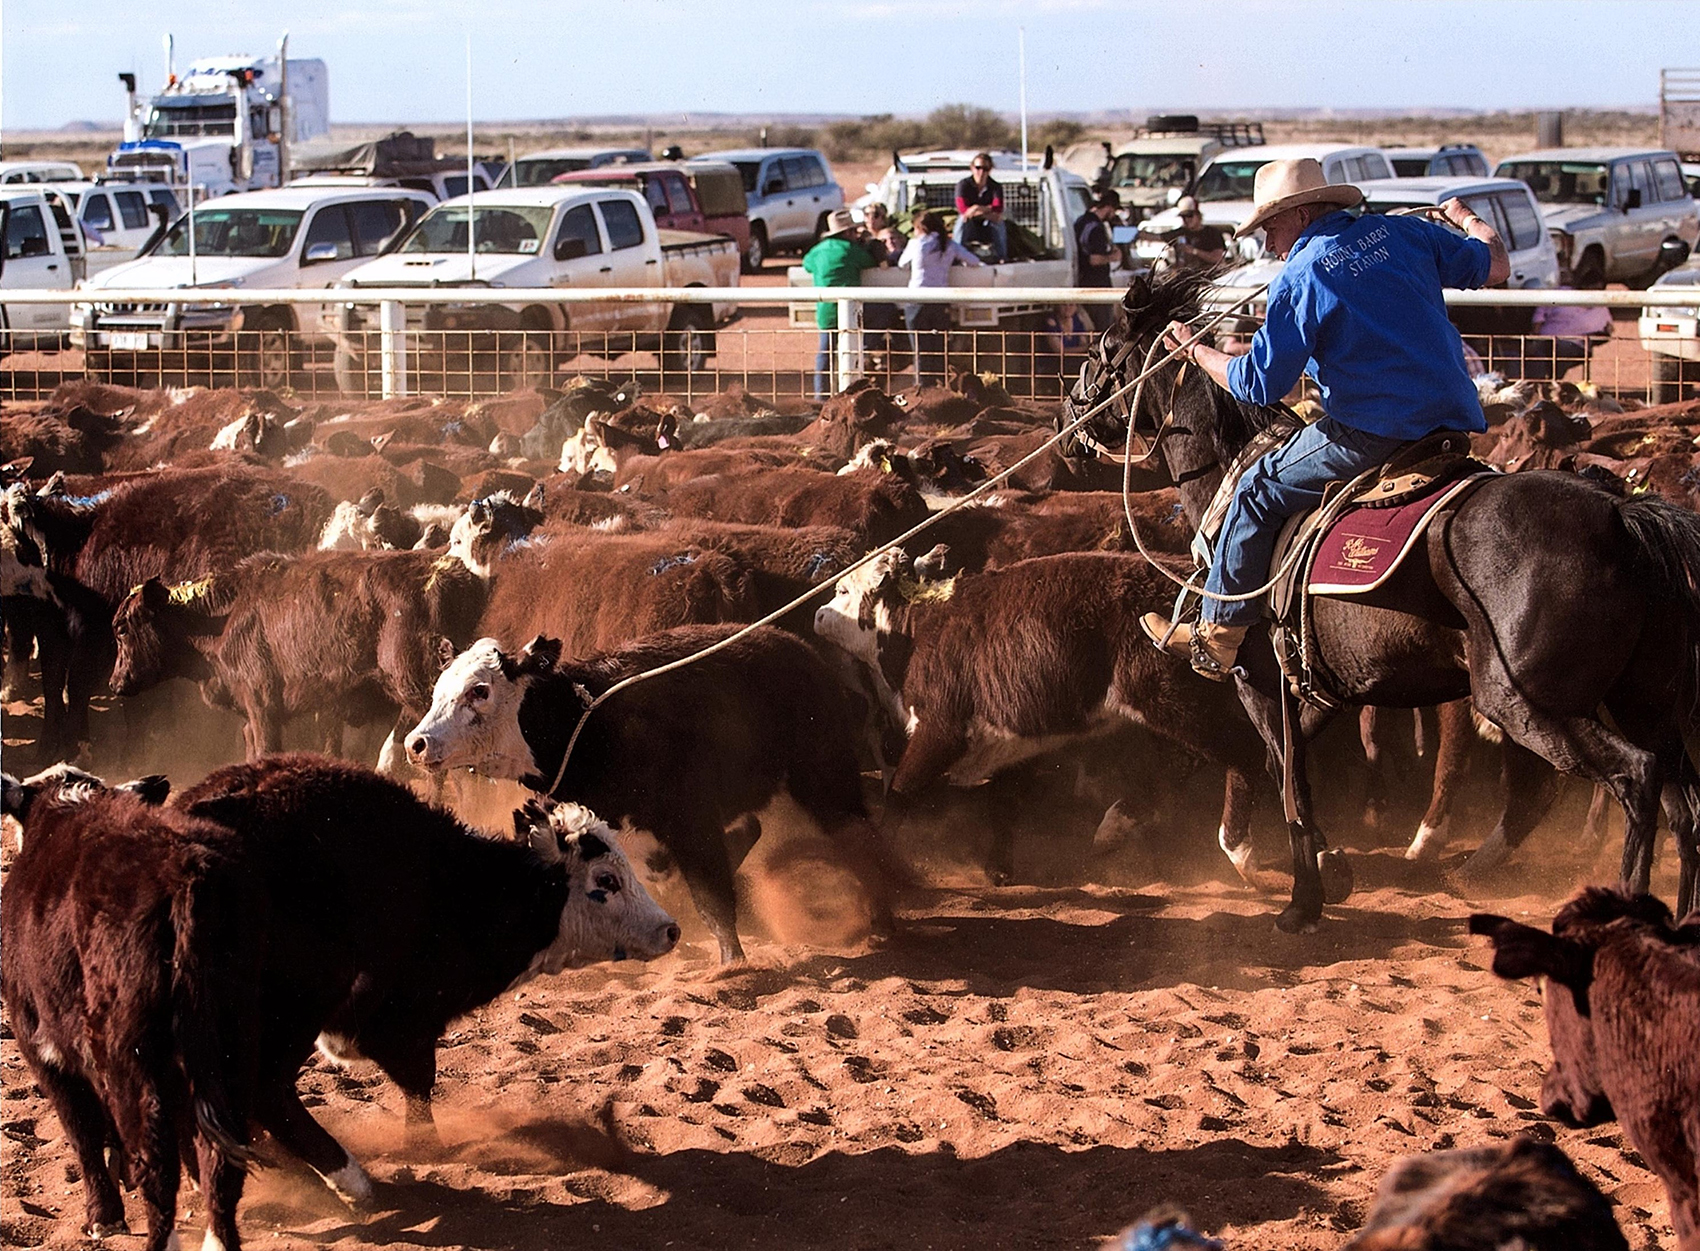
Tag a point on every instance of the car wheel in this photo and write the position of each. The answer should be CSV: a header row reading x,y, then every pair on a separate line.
x,y
1590,272
1669,375
528,361
686,348
266,358
755,251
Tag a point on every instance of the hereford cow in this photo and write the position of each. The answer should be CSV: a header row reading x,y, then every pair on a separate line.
x,y
384,918
351,636
1623,1011
108,925
684,755
984,672
1522,1194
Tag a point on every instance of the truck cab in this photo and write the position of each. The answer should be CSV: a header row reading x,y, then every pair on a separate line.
x,y
34,256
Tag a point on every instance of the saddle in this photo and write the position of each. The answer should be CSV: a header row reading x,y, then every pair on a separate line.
x,y
1353,543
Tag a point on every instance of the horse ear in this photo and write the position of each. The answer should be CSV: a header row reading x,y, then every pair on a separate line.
x,y
534,497
1138,293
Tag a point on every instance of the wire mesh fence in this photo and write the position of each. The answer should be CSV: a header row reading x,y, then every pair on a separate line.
x,y
763,350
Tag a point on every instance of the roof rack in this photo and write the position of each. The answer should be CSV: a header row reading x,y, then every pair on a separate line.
x,y
1228,134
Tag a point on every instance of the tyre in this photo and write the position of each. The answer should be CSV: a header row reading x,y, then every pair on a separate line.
x,y
350,372
1590,273
527,361
1670,373
686,347
266,358
755,251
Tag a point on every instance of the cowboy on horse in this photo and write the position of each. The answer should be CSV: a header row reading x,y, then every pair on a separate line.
x,y
1358,306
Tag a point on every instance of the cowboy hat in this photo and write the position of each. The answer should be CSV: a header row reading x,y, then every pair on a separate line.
x,y
1282,185
838,222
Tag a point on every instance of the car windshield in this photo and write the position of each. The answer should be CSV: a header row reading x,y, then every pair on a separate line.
x,y
1561,182
511,230
234,232
1228,180
541,171
1410,167
1132,170
748,171
173,120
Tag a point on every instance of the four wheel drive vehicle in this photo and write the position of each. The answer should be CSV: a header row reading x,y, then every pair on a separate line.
x,y
116,220
1504,203
719,189
537,237
292,237
39,171
1462,159
398,159
790,192
1224,188
539,169
34,255
1155,168
1671,336
1615,214
671,200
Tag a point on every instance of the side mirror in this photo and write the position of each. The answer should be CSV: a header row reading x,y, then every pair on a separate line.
x,y
318,252
570,249
1632,199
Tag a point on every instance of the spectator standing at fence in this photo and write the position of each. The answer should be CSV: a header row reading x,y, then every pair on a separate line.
x,y
979,209
1095,252
836,261
1572,330
928,258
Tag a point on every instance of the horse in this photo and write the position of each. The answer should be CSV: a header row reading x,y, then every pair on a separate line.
x,y
1570,616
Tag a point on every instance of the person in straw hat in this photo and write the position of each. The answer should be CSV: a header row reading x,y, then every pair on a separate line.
x,y
836,261
1358,307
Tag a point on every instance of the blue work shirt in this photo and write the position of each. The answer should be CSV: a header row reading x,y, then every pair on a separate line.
x,y
1358,307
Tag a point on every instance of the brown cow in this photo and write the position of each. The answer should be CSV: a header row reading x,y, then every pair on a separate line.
x,y
107,921
877,507
351,636
985,671
1623,1011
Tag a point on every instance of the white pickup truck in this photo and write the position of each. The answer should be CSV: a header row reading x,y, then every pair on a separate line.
x,y
42,250
267,240
560,235
1045,200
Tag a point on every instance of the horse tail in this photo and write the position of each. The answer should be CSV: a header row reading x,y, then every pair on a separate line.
x,y
1667,537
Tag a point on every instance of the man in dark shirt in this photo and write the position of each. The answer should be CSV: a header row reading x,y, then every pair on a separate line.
x,y
1195,245
1095,253
979,209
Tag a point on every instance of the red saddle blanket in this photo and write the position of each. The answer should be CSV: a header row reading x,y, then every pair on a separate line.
x,y
1363,547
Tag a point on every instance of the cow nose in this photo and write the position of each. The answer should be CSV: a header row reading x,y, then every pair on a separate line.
x,y
416,746
673,934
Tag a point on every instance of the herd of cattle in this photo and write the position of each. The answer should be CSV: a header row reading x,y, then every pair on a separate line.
x,y
471,580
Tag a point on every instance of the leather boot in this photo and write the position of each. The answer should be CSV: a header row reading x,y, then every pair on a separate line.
x,y
1209,647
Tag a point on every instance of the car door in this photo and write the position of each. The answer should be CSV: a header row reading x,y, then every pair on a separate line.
x,y
100,224
135,224
1534,262
32,261
810,187
580,253
327,253
628,262
775,203
682,210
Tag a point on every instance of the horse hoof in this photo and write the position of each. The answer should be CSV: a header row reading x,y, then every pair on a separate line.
x,y
1296,920
1488,858
1336,873
106,1229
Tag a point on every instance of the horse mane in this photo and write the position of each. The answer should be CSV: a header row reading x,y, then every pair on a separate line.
x,y
1147,309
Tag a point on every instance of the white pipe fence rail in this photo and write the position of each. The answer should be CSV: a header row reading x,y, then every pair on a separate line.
x,y
393,336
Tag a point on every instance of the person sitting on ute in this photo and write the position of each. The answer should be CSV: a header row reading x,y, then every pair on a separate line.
x,y
979,209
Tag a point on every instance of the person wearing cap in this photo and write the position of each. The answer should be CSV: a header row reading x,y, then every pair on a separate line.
x,y
1358,306
979,208
836,261
1195,245
1095,252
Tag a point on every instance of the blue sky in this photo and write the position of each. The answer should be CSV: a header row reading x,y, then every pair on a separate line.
x,y
403,60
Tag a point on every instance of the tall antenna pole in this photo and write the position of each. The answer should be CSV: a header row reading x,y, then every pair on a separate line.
x,y
283,110
1021,46
471,232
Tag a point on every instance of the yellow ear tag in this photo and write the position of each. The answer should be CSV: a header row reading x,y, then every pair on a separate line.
x,y
187,593
914,591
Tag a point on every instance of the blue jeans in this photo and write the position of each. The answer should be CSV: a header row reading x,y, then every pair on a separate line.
x,y
1280,484
824,351
979,227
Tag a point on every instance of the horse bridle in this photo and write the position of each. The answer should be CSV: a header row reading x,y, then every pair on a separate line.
x,y
1096,372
